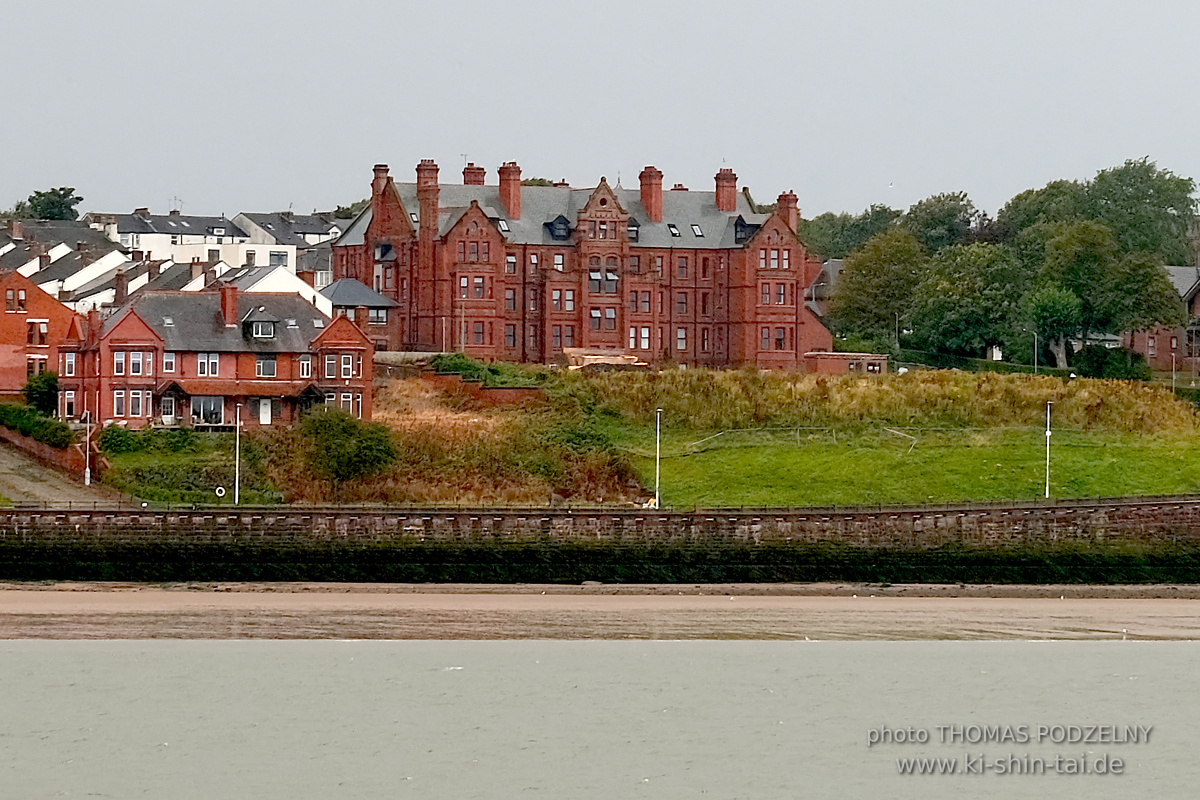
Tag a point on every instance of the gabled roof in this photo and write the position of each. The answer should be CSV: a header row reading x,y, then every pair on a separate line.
x,y
196,323
542,204
288,228
183,225
72,233
349,293
1186,281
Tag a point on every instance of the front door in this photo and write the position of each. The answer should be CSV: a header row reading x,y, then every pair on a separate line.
x,y
264,411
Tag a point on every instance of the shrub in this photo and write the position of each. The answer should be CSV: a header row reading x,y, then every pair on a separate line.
x,y
26,421
1118,363
115,440
41,392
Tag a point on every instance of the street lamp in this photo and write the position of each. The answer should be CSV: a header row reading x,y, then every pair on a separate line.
x,y
1048,404
1035,352
657,455
1172,373
237,455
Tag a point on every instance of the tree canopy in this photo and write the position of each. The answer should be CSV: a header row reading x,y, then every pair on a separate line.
x,y
1148,209
837,235
942,220
876,284
339,448
967,298
54,204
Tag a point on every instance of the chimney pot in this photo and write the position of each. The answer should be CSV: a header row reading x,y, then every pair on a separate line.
x,y
18,230
789,210
229,301
726,190
121,288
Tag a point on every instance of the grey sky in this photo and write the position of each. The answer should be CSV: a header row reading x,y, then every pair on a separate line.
x,y
258,105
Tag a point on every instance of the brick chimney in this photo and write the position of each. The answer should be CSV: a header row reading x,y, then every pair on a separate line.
x,y
121,288
473,175
789,210
679,187
379,182
651,179
360,317
510,188
16,229
229,305
92,332
726,190
43,260
174,212
144,213
152,269
135,255
196,268
427,199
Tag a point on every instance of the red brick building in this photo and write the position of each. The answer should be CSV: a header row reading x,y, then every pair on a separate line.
x,y
518,273
32,328
198,359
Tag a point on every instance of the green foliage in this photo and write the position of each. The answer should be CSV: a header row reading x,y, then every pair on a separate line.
x,y
967,298
876,283
26,421
339,448
1139,295
1054,314
537,182
1117,363
41,392
54,204
351,211
1147,209
836,235
115,440
1079,257
1057,201
942,220
498,374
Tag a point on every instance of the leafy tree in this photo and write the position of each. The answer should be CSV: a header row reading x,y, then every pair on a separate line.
x,y
54,203
41,392
1139,296
876,284
836,235
338,448
1080,257
20,210
968,298
942,220
1057,201
1054,313
537,182
1147,209
351,211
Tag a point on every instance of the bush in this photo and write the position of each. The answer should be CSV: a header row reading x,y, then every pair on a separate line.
x,y
115,440
41,392
1119,363
26,421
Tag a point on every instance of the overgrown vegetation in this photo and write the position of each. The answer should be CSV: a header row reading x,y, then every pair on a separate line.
x,y
41,392
500,373
26,421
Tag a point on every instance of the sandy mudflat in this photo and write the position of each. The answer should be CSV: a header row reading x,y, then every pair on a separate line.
x,y
595,611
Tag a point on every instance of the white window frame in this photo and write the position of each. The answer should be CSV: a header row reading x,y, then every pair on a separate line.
x,y
306,366
168,362
118,362
347,366
68,365
260,362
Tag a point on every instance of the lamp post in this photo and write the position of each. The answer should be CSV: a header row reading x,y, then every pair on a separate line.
x,y
1048,404
1035,352
1172,373
657,455
237,455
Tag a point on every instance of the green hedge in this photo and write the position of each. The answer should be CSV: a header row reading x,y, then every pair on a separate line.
x,y
26,421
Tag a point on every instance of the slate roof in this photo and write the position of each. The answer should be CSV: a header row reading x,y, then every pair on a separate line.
x,y
349,293
543,204
69,232
197,324
290,228
316,258
1185,280
176,224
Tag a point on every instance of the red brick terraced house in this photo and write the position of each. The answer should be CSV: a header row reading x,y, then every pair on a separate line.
x,y
32,328
519,273
199,359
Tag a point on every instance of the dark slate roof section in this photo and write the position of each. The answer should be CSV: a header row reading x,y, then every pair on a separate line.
x,y
60,269
542,204
16,258
288,228
318,258
69,232
349,293
197,323
173,278
1186,281
176,224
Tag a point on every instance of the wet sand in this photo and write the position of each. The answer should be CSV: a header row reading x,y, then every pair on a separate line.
x,y
596,611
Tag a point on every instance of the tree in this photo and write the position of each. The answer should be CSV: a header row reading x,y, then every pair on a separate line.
x,y
967,299
837,235
876,284
351,211
338,447
1080,257
537,182
41,392
942,220
54,203
1147,209
1054,313
1139,296
1057,201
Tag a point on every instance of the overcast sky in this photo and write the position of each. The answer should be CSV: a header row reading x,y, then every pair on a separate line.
x,y
261,105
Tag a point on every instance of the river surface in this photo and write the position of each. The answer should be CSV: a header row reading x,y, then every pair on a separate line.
x,y
303,720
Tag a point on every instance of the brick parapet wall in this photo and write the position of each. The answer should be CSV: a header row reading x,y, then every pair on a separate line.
x,y
1133,523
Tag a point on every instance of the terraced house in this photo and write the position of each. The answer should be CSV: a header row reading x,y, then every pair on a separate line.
x,y
523,273
206,359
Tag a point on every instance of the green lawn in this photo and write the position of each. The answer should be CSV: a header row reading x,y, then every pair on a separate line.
x,y
878,467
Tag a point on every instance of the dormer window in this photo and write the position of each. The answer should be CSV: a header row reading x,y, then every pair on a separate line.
x,y
503,225
413,216
560,229
168,322
673,229
633,230
696,230
383,251
218,231
261,329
